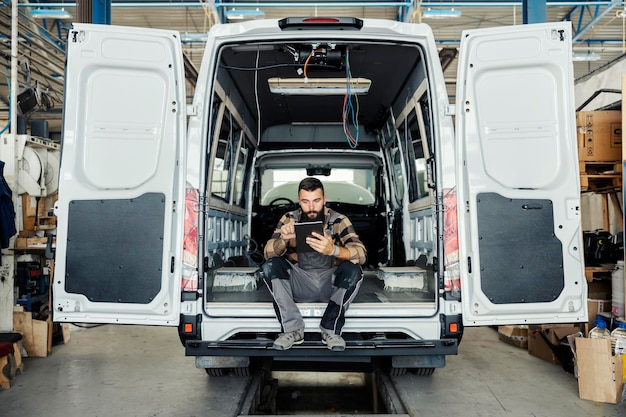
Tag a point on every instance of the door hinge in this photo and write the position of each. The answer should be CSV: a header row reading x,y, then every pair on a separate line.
x,y
558,34
201,206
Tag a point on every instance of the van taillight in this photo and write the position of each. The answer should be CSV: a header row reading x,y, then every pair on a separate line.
x,y
321,20
188,327
303,23
453,328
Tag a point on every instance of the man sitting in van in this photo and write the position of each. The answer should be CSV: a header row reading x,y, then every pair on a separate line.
x,y
329,270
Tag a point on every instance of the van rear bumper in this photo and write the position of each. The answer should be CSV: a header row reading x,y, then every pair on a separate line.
x,y
315,348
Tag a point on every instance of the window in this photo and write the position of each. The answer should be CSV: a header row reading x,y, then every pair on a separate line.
x,y
415,158
343,185
241,171
397,173
225,156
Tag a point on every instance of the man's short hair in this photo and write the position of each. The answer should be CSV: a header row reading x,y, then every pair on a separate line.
x,y
310,184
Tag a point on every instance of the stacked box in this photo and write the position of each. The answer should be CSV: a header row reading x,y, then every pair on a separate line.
x,y
598,300
514,335
599,135
555,333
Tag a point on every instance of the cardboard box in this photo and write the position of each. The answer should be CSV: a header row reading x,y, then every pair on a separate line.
x,y
33,242
555,333
30,242
600,374
598,301
600,288
35,333
514,335
599,135
596,306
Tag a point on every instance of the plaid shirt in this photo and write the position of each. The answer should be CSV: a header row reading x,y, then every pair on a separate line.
x,y
342,232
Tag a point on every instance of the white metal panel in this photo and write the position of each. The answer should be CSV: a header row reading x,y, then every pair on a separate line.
x,y
517,149
123,157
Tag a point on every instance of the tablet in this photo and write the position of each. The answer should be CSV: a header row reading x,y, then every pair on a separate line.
x,y
305,229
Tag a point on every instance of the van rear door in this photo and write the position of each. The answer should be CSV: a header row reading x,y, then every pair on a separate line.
x,y
520,243
121,191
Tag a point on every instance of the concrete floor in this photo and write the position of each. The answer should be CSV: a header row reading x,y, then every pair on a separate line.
x,y
141,371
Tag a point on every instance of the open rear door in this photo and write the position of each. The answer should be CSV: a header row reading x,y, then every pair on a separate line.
x,y
519,223
121,190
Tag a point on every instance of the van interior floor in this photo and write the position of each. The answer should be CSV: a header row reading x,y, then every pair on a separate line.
x,y
372,291
118,370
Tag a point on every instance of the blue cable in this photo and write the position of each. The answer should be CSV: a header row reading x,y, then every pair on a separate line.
x,y
349,110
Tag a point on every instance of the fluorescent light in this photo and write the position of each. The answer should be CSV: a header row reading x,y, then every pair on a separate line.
x,y
244,14
194,37
318,86
440,13
586,57
50,14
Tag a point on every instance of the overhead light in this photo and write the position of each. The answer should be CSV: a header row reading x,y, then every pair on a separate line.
x,y
194,37
586,57
318,86
50,14
244,14
441,13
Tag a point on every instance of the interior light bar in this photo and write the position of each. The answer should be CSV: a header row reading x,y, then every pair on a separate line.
x,y
318,86
441,13
50,14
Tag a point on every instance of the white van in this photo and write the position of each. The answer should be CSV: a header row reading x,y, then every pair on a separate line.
x,y
164,207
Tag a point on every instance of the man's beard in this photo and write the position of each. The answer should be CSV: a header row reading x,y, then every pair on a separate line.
x,y
311,216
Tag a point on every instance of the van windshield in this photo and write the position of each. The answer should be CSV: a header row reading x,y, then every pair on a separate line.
x,y
352,186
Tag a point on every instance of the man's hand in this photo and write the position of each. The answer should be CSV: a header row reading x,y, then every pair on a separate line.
x,y
321,243
287,232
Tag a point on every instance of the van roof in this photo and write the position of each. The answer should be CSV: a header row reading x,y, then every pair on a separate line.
x,y
394,70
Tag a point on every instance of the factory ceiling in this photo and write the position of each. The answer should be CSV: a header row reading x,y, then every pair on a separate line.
x,y
598,27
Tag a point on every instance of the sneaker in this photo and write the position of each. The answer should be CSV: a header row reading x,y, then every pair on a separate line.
x,y
286,340
333,341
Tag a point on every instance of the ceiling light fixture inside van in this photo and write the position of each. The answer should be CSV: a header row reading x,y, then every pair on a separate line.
x,y
318,86
441,13
244,14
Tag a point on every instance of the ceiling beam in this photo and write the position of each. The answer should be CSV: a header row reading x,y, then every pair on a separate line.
x,y
534,11
598,13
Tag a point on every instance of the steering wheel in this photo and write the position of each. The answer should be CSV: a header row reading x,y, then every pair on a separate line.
x,y
274,201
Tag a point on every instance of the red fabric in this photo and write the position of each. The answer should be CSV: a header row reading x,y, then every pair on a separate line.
x,y
190,243
6,348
